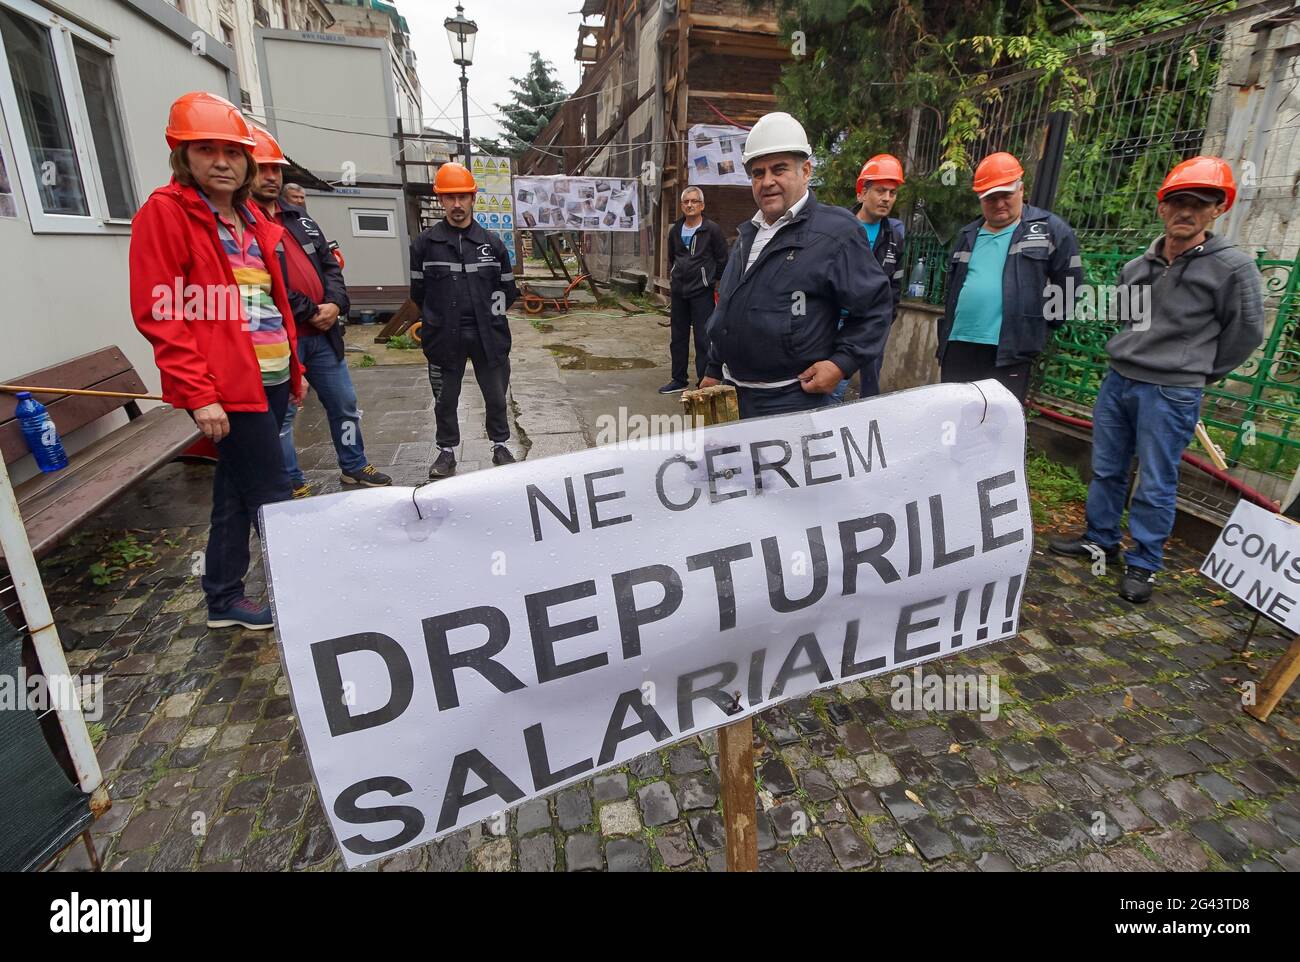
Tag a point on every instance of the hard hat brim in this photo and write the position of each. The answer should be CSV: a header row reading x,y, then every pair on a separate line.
x,y
175,139
1000,189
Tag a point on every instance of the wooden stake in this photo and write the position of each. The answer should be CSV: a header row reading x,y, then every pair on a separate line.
x,y
1275,684
717,405
1212,449
15,388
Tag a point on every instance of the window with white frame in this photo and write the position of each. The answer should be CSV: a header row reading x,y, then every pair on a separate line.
x,y
372,223
60,100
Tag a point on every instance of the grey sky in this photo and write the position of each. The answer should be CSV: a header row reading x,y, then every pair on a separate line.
x,y
507,31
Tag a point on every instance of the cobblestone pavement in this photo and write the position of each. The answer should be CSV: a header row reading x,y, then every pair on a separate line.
x,y
1119,743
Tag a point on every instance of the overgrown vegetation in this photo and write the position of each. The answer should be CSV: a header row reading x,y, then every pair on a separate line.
x,y
862,67
401,342
118,556
366,361
1052,487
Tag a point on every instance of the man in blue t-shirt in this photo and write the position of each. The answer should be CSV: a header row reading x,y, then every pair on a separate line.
x,y
1005,268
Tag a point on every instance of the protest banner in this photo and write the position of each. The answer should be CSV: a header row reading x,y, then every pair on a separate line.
x,y
558,617
1257,558
576,203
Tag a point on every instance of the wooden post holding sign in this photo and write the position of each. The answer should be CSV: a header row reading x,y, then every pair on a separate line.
x,y
1245,560
714,405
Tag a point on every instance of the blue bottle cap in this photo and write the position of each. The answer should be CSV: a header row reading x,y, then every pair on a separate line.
x,y
23,394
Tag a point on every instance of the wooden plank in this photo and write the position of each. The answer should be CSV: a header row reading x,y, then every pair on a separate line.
x,y
722,22
1275,684
716,405
734,95
69,412
53,505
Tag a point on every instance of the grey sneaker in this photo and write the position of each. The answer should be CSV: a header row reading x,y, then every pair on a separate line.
x,y
444,466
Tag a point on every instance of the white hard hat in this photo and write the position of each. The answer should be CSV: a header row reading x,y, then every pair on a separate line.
x,y
776,133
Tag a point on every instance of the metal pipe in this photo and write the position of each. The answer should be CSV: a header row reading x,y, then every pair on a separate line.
x,y
45,635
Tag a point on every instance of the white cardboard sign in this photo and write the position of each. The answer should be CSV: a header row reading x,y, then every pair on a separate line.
x,y
533,624
1257,558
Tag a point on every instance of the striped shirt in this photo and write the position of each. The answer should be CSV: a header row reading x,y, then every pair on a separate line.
x,y
262,319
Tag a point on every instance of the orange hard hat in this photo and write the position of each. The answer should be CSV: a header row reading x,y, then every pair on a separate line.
x,y
199,115
454,178
881,167
1201,176
267,150
997,171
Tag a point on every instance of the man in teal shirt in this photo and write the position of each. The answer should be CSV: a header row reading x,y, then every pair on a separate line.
x,y
1003,269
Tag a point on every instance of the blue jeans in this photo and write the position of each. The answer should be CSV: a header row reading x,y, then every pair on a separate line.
x,y
249,474
329,378
1156,422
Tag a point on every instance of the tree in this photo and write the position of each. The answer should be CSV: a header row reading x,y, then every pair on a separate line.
x,y
535,100
860,67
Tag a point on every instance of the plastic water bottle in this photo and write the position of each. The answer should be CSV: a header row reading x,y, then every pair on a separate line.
x,y
41,434
916,283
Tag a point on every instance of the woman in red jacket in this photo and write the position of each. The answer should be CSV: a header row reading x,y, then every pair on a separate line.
x,y
207,289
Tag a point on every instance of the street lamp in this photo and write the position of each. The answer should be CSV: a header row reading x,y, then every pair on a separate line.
x,y
460,36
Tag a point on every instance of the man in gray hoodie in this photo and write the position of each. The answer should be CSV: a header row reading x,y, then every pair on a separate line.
x,y
1203,316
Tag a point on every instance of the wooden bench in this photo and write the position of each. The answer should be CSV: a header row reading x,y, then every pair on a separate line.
x,y
53,505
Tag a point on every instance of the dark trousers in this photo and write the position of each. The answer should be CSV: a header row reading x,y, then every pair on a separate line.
x,y
250,473
964,361
492,381
760,402
688,312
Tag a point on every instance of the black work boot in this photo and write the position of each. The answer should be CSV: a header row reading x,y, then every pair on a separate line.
x,y
1081,547
444,466
501,455
1136,585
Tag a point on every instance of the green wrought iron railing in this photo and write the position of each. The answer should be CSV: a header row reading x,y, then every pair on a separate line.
x,y
1253,413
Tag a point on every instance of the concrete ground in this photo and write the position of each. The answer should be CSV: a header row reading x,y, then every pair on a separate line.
x,y
1119,743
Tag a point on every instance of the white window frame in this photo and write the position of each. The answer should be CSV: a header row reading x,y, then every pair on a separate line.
x,y
62,34
359,212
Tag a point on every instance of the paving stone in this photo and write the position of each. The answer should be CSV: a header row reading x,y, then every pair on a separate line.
x,y
1219,788
582,853
532,816
685,759
819,786
144,830
849,848
863,801
619,818
1256,832
1128,816
1227,847
878,769
627,855
708,831
1173,760
812,855
610,787
789,820
776,777
894,798
674,847
1179,851
1020,756
270,853
248,794
658,806
930,840
227,837
573,808
1189,802
695,792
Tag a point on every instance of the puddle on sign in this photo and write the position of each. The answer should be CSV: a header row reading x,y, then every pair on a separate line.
x,y
576,359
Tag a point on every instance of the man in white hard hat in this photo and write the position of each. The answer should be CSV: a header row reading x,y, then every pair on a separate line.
x,y
796,270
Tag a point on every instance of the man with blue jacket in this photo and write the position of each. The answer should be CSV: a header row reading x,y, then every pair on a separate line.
x,y
795,270
999,277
